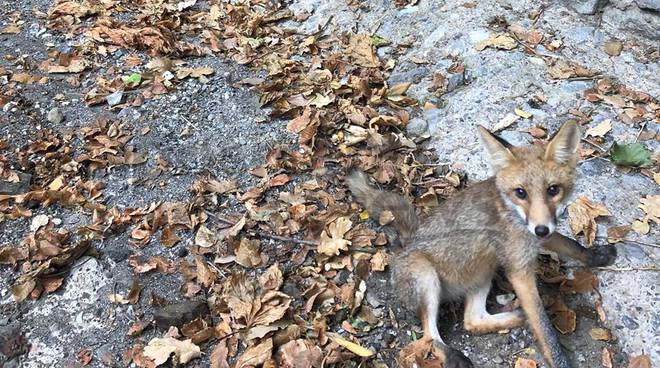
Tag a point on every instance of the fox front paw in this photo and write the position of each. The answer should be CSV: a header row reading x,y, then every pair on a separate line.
x,y
456,359
602,255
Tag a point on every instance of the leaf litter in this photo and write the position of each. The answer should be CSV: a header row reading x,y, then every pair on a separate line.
x,y
336,99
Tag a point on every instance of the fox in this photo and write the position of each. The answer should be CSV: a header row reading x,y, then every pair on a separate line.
x,y
499,223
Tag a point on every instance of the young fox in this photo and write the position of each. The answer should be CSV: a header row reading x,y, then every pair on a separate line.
x,y
499,222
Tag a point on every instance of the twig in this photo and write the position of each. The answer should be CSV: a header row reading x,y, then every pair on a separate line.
x,y
594,144
429,181
264,234
628,269
628,240
640,131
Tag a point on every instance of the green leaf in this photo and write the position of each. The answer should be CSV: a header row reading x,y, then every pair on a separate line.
x,y
379,41
633,154
413,335
132,80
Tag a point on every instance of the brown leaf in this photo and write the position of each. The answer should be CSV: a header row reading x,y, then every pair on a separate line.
x,y
502,42
205,238
160,349
168,237
582,216
362,52
256,355
332,241
379,261
525,363
564,321
583,282
136,328
300,354
84,357
134,293
272,278
617,233
642,361
205,275
278,180
248,253
415,351
21,290
601,334
606,358
218,358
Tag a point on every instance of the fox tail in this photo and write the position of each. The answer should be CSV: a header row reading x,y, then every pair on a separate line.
x,y
378,203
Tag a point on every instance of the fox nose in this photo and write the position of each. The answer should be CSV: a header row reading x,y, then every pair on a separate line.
x,y
541,230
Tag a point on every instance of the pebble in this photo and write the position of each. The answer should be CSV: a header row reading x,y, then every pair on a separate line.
x,y
180,313
629,323
613,48
55,116
115,98
417,127
498,360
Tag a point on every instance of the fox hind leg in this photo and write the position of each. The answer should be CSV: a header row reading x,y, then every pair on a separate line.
x,y
418,275
478,320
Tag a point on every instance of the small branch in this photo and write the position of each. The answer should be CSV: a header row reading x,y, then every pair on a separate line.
x,y
628,269
594,144
640,131
264,234
286,238
628,240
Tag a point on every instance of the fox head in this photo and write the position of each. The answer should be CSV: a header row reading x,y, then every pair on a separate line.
x,y
535,181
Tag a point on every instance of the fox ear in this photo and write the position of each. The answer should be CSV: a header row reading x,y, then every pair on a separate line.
x,y
563,146
497,148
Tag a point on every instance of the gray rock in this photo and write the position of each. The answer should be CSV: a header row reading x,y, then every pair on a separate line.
x,y
55,116
642,23
115,98
587,7
629,323
455,81
417,127
22,186
180,313
653,5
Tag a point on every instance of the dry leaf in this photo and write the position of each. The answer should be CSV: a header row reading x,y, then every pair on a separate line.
x,y
616,233
256,355
205,238
160,349
218,358
300,354
414,352
651,206
600,130
583,282
362,52
351,346
248,253
641,227
523,114
332,241
505,122
601,334
642,361
582,216
525,363
606,358
503,42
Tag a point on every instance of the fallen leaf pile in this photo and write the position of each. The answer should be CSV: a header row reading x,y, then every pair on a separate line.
x,y
289,271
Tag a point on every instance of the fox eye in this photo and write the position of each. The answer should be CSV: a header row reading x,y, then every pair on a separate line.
x,y
553,190
520,193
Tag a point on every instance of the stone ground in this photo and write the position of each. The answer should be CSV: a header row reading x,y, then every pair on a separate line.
x,y
227,141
